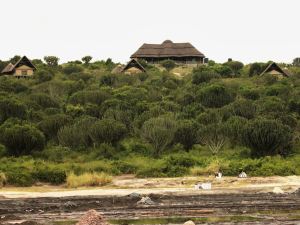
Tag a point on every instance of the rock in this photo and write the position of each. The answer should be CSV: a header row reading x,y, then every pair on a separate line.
x,y
278,190
189,223
70,204
92,218
134,195
145,201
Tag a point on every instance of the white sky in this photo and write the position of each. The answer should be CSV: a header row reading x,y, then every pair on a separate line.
x,y
246,30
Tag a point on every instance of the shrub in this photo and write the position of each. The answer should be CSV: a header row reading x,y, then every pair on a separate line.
x,y
72,68
107,131
78,134
159,132
202,75
215,96
51,125
252,94
56,153
267,137
3,179
243,108
53,176
44,75
44,100
186,134
11,107
21,139
168,64
20,178
88,179
93,97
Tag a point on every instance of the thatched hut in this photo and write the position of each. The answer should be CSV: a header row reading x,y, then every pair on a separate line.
x,y
275,70
133,67
181,53
23,68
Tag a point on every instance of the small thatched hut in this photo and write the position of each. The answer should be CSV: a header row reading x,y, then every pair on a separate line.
x,y
275,70
181,53
133,67
23,68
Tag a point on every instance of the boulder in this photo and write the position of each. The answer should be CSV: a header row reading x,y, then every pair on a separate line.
x,y
189,223
92,218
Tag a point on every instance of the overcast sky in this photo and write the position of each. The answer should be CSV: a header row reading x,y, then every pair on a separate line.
x,y
246,30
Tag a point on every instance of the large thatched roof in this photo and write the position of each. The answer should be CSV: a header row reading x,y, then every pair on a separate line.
x,y
23,61
273,67
167,49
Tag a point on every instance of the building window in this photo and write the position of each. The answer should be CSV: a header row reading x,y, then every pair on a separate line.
x,y
24,72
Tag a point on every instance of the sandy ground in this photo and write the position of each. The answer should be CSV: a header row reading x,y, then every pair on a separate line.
x,y
125,185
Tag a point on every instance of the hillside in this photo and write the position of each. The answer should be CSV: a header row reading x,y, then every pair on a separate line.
x,y
79,118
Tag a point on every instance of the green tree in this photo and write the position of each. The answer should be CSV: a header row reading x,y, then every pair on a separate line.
x,y
186,134
21,139
86,59
107,131
213,136
159,132
267,137
51,61
15,59
235,66
215,96
51,125
168,64
202,75
11,107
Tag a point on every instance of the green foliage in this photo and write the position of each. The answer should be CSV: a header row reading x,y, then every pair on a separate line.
x,y
52,176
51,125
203,75
153,124
168,64
72,68
257,68
215,96
87,59
107,131
11,107
159,132
20,178
43,100
267,137
43,76
51,61
21,139
186,134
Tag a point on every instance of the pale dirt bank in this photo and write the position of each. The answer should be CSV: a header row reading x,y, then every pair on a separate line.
x,y
125,185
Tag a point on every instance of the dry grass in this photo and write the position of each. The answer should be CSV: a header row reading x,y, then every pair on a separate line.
x,y
88,180
2,179
211,169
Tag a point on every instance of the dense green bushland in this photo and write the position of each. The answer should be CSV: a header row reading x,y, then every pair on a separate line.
x,y
79,118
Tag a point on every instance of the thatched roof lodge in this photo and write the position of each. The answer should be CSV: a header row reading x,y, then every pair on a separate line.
x,y
133,67
23,68
275,70
181,53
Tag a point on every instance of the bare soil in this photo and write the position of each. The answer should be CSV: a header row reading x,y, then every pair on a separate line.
x,y
229,198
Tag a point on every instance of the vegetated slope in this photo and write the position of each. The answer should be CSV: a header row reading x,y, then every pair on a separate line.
x,y
78,117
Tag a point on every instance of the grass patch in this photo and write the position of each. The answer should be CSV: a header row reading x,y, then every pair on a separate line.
x,y
88,180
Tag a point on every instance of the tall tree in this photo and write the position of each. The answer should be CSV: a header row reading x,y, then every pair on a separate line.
x,y
51,60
